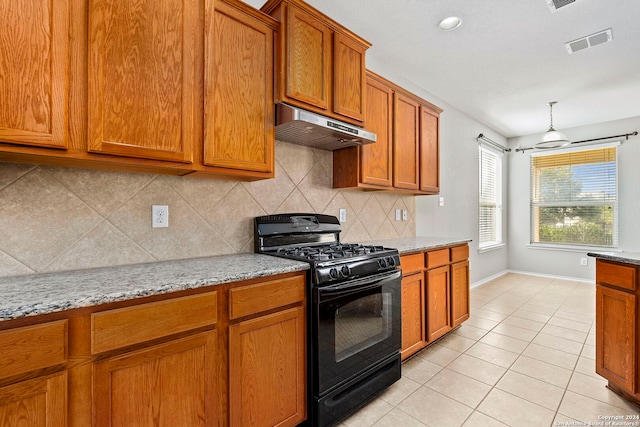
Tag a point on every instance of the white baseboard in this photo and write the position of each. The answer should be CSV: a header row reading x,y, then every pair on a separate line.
x,y
527,273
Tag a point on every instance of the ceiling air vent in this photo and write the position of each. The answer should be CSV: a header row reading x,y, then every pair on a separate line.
x,y
557,4
589,41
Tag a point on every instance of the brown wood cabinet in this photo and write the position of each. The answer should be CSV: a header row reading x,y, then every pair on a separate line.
x,y
239,99
231,354
320,64
35,73
33,378
435,295
413,304
406,156
617,290
160,86
267,356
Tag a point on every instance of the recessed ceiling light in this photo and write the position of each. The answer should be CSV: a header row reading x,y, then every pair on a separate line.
x,y
450,23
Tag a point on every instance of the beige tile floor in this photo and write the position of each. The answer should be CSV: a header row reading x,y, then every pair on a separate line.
x,y
525,357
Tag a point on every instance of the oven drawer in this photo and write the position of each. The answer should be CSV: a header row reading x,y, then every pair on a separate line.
x,y
252,299
122,327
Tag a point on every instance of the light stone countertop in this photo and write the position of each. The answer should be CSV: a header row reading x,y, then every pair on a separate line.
x,y
407,245
22,296
627,257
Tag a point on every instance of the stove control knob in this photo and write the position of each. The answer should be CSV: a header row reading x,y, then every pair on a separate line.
x,y
391,262
345,270
382,263
333,273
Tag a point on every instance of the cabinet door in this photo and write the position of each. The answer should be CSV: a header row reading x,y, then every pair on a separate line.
x,y
413,314
307,59
267,374
376,165
459,293
429,151
36,402
616,337
438,303
348,77
34,41
142,78
239,102
166,385
405,142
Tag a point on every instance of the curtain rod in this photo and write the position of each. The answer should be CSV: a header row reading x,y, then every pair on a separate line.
x,y
495,144
626,135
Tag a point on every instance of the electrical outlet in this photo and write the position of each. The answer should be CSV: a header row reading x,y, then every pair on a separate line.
x,y
441,201
159,216
398,215
584,261
404,215
343,215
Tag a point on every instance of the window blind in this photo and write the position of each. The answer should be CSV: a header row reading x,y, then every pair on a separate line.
x,y
490,197
574,197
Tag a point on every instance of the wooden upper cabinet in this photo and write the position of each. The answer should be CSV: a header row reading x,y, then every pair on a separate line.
x,y
307,59
320,64
239,99
142,76
349,77
406,140
376,158
429,150
35,72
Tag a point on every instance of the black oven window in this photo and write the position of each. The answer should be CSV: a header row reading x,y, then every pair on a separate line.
x,y
361,324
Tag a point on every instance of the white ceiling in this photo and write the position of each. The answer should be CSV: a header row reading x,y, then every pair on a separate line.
x,y
508,58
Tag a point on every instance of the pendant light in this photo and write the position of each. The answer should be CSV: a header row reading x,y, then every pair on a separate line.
x,y
553,138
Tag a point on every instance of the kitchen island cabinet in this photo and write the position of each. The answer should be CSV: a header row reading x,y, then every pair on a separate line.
x,y
320,64
406,157
178,358
435,296
617,288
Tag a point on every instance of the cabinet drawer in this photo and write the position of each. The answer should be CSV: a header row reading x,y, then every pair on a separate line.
x,y
132,325
459,253
411,264
33,347
251,299
616,275
437,258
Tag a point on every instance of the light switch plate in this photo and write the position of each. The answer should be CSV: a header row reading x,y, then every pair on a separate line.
x,y
441,201
398,215
343,215
404,215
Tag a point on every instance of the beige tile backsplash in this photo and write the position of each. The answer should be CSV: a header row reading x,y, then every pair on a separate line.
x,y
55,219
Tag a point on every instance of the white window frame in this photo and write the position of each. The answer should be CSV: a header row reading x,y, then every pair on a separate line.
x,y
498,202
570,246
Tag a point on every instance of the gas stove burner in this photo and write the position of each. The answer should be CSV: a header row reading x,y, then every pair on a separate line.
x,y
329,252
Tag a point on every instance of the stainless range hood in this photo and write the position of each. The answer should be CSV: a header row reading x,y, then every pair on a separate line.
x,y
303,127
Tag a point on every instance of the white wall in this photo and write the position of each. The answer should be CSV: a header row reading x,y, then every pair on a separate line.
x,y
458,181
563,263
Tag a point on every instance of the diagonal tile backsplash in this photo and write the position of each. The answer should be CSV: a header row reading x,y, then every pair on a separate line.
x,y
55,219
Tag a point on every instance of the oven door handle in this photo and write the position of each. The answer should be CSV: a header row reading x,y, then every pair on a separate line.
x,y
362,284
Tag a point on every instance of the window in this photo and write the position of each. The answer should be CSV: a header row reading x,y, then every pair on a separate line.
x,y
574,197
490,209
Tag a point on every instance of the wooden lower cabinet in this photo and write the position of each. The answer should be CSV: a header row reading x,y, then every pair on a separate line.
x,y
170,384
267,370
413,314
435,295
233,354
41,401
459,293
438,302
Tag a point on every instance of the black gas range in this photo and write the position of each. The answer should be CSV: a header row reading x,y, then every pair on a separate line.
x,y
354,312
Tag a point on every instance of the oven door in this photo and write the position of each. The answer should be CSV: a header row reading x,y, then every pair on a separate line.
x,y
357,324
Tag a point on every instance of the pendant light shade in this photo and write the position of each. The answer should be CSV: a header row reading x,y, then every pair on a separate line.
x,y
553,138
